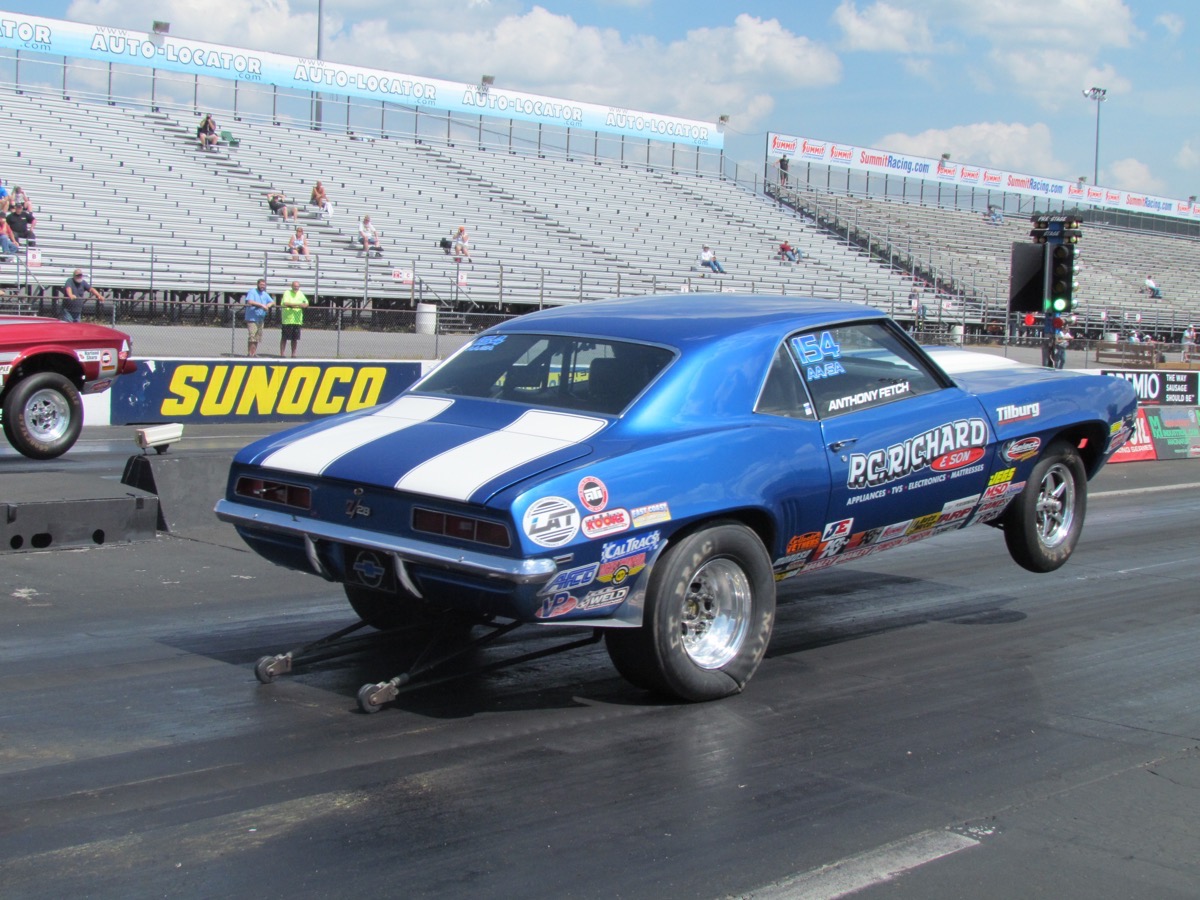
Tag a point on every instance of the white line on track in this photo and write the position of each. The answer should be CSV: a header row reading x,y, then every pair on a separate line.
x,y
854,873
1129,492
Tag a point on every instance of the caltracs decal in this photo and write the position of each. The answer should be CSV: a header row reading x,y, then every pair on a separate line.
x,y
551,522
944,448
1022,449
592,493
602,524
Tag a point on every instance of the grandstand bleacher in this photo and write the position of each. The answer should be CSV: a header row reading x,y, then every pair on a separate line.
x,y
126,193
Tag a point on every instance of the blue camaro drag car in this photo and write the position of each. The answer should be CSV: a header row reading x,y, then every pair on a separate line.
x,y
653,466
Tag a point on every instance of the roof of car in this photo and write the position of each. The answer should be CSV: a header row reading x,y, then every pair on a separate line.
x,y
680,319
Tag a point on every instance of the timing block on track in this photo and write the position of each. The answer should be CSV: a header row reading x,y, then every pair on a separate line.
x,y
84,511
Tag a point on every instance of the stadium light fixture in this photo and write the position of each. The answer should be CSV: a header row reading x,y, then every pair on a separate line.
x,y
1098,94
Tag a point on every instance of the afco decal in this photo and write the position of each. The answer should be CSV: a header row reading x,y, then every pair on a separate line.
x,y
947,447
206,391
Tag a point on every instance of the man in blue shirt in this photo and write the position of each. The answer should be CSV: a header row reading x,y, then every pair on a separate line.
x,y
257,302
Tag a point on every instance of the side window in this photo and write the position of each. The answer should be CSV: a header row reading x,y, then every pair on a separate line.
x,y
859,366
782,393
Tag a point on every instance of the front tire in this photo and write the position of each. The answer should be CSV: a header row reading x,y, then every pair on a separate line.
x,y
43,415
1043,524
710,609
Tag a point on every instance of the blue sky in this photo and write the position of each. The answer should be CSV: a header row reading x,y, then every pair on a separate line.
x,y
992,82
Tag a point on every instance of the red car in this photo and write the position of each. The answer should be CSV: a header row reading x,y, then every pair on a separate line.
x,y
45,364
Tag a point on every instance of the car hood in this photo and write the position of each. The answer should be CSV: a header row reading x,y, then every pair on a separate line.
x,y
456,449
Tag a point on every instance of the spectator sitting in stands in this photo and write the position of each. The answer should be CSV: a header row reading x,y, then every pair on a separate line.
x,y
22,223
280,206
317,198
9,245
206,132
788,252
18,195
461,246
298,245
369,236
994,216
708,259
5,199
1152,289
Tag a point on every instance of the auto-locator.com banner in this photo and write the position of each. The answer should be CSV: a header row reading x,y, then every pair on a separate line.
x,y
884,162
172,54
201,391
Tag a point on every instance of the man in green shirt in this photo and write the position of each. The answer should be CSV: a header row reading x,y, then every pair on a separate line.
x,y
292,305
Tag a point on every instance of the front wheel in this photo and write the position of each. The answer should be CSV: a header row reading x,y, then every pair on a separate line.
x,y
710,609
43,415
1043,524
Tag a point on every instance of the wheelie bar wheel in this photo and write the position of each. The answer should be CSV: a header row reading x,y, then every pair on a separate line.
x,y
268,668
371,697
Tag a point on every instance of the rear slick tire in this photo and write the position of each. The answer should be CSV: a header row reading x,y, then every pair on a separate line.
x,y
1042,525
710,609
385,611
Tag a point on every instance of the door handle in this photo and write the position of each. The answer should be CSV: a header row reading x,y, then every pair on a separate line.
x,y
842,444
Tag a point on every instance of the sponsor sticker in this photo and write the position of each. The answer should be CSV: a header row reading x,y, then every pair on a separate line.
x,y
88,355
944,448
1002,477
1022,449
837,529
616,571
558,605
1016,412
601,598
593,494
568,579
923,523
891,532
551,522
602,524
996,490
651,514
800,542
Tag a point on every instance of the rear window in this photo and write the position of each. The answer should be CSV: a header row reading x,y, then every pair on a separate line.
x,y
557,371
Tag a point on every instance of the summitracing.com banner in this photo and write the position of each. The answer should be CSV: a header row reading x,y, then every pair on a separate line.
x,y
171,54
884,162
206,391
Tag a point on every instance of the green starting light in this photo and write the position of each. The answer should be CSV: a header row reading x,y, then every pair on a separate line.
x,y
1060,304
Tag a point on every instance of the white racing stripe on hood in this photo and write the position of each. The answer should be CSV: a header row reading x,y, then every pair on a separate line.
x,y
460,472
314,453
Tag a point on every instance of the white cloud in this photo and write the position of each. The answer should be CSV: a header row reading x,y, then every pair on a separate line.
x,y
1172,23
1002,145
1131,175
1081,24
1188,156
882,27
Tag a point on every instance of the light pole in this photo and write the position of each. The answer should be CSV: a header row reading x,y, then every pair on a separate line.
x,y
1098,94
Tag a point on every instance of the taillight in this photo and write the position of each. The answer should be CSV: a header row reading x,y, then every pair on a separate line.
x,y
280,492
462,528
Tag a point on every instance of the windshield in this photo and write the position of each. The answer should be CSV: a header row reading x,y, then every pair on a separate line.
x,y
558,371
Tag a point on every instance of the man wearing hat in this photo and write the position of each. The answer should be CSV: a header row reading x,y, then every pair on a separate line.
x,y
22,223
77,289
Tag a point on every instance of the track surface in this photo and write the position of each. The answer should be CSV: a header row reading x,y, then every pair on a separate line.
x,y
1020,735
